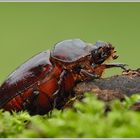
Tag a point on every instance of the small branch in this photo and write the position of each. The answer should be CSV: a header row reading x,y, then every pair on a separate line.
x,y
117,86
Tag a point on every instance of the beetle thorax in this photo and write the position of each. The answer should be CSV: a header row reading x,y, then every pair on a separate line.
x,y
83,62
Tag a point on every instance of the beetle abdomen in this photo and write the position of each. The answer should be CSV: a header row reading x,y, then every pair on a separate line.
x,y
17,103
40,104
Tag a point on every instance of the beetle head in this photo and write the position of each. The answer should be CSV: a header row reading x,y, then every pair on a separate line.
x,y
102,52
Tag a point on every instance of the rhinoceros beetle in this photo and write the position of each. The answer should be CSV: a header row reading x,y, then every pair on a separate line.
x,y
47,79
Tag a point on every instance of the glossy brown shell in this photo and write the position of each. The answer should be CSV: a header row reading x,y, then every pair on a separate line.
x,y
25,76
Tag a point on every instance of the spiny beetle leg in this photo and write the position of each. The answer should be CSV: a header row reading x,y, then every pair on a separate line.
x,y
59,90
29,100
94,76
113,65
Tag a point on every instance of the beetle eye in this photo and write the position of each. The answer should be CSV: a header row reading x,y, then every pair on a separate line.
x,y
95,54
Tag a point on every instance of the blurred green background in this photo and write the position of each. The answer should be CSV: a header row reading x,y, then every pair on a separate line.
x,y
29,28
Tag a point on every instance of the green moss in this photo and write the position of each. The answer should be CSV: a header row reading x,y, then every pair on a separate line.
x,y
87,119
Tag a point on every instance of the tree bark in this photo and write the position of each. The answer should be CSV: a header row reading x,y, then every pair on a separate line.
x,y
115,87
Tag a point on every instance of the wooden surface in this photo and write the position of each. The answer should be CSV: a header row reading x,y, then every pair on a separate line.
x,y
107,89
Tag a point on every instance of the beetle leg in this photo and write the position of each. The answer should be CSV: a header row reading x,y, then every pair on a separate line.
x,y
28,101
94,76
60,81
120,65
56,94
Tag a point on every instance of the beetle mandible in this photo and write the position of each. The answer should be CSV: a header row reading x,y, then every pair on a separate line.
x,y
47,79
